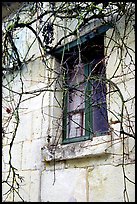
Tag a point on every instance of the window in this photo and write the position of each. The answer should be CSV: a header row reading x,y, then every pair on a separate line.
x,y
84,105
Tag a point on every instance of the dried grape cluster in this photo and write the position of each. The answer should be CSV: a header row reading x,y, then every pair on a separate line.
x,y
48,33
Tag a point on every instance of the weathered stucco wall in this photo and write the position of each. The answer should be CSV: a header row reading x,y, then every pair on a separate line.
x,y
83,172
85,180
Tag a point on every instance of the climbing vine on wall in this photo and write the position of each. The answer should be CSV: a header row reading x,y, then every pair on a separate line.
x,y
44,20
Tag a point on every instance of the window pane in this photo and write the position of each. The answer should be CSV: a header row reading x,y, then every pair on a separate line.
x,y
76,102
100,122
76,99
75,124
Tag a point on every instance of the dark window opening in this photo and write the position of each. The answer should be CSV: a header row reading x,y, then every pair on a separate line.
x,y
85,107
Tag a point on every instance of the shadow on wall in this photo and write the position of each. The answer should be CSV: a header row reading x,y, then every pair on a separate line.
x,y
10,7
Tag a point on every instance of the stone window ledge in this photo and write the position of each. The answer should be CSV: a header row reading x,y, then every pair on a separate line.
x,y
98,146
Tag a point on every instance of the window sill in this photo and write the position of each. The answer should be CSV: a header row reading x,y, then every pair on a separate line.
x,y
98,146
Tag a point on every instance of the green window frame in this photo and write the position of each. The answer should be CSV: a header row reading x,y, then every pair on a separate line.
x,y
88,100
